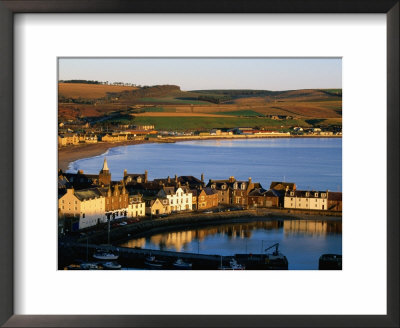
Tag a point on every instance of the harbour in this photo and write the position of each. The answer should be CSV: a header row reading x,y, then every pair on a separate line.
x,y
210,244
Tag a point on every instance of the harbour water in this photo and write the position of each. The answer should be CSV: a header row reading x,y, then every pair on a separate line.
x,y
312,163
301,241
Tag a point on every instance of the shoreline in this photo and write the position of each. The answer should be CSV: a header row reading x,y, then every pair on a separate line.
x,y
69,154
193,220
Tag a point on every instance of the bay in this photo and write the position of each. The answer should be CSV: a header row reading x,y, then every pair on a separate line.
x,y
311,163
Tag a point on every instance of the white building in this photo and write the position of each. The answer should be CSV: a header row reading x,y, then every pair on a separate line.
x,y
310,200
87,205
136,207
180,198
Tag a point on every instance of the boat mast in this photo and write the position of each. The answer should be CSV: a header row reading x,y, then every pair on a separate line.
x,y
108,230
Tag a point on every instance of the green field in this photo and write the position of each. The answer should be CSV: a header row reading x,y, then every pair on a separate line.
x,y
154,109
172,100
244,112
206,123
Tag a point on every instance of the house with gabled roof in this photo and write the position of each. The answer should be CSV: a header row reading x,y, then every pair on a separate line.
x,y
335,201
259,197
232,191
86,205
180,197
157,205
206,198
279,185
135,177
306,199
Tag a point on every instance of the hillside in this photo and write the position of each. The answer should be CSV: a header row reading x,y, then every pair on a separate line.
x,y
168,107
89,91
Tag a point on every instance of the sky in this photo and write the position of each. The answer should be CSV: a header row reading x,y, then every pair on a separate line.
x,y
209,73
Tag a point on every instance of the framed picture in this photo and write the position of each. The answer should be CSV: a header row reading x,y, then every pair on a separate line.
x,y
50,62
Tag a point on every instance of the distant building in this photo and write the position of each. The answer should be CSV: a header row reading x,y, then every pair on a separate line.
x,y
87,138
67,139
303,199
115,137
144,127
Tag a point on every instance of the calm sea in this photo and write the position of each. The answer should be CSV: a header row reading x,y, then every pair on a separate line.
x,y
312,163
301,241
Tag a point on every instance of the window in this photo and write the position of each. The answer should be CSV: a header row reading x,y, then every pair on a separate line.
x,y
76,208
62,201
316,194
62,207
291,193
76,202
83,215
307,194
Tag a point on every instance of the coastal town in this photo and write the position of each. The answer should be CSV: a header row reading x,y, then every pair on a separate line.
x,y
89,200
164,172
74,133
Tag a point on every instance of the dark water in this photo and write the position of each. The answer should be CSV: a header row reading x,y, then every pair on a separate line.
x,y
303,242
312,163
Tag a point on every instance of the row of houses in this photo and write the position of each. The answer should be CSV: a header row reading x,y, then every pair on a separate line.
x,y
91,199
67,139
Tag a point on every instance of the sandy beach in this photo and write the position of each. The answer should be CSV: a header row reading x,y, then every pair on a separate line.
x,y
70,154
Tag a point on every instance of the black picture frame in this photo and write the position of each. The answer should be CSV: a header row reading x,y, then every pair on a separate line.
x,y
10,7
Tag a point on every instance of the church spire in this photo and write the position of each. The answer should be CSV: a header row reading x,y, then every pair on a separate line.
x,y
104,174
105,166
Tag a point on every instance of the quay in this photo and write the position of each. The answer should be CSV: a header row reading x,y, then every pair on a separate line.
x,y
135,257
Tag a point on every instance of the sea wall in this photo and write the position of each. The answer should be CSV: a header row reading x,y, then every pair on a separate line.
x,y
180,221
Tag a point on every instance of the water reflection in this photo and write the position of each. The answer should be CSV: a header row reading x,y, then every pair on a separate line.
x,y
302,241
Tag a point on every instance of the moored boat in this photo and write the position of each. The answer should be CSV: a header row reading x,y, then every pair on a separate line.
x,y
105,255
180,264
111,266
152,263
89,266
